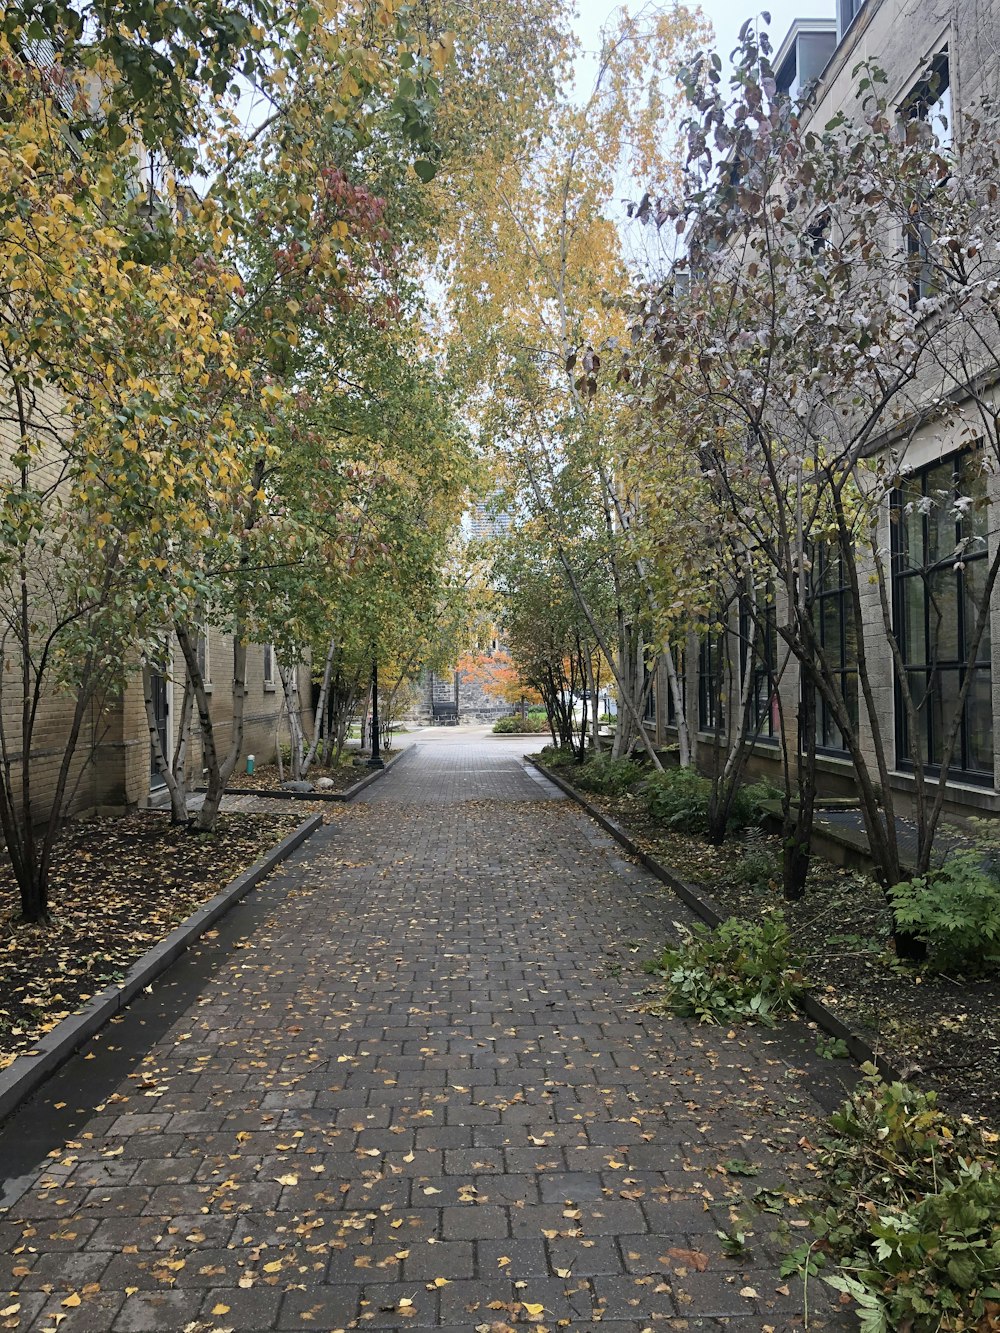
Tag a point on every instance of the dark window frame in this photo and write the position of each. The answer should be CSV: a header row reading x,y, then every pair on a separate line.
x,y
761,722
838,595
906,574
708,685
917,236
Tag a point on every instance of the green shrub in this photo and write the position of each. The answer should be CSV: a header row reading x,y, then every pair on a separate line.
x,y
531,725
908,1205
955,911
758,868
557,756
607,776
742,970
678,799
748,807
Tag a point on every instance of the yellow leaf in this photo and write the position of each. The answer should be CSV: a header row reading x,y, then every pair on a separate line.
x,y
439,1282
533,1310
287,1179
220,1309
273,1267
10,1310
72,1301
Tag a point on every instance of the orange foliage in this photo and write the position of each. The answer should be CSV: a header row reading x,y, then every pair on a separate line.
x,y
497,675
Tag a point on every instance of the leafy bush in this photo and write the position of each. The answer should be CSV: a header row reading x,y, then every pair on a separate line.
x,y
759,868
607,776
742,970
678,799
908,1204
955,911
555,756
748,808
530,725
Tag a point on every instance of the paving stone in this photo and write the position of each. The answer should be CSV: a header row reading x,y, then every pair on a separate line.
x,y
418,1066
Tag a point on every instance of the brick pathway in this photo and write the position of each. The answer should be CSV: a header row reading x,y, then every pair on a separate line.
x,y
421,1094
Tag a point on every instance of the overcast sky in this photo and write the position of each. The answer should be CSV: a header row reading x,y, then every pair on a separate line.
x,y
645,247
726,16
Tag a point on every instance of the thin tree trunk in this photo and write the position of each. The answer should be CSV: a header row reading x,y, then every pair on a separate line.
x,y
798,819
173,779
677,694
293,710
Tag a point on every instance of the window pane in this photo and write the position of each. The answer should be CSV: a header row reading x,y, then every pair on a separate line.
x,y
918,682
974,580
914,630
910,526
975,515
944,699
941,517
830,629
979,723
942,590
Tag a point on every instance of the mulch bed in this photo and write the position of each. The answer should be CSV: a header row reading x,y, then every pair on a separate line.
x,y
265,777
940,1032
118,887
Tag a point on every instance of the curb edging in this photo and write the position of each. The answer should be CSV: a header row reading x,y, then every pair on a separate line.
x,y
348,794
28,1072
861,1050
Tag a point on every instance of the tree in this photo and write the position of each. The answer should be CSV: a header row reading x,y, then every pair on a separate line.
x,y
826,343
528,287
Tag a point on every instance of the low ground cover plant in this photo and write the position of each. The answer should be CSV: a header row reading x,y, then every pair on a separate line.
x,y
955,912
678,798
908,1207
533,723
742,970
607,776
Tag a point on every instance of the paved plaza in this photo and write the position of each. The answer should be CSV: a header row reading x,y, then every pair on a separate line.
x,y
414,1083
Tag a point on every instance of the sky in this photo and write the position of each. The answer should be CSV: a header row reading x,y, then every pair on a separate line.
x,y
644,247
726,16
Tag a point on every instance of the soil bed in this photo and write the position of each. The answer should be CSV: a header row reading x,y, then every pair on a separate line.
x,y
118,887
266,778
940,1032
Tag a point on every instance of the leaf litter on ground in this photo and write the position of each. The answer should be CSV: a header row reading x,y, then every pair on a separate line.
x,y
118,886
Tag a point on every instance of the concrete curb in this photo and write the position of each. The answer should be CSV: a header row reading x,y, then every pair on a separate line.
x,y
28,1072
348,794
817,1012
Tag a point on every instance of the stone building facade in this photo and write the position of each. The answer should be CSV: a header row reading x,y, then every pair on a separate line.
x,y
949,52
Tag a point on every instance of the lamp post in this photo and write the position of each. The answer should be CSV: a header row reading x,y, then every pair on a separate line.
x,y
376,759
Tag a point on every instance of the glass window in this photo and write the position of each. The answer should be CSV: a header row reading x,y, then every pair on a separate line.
x,y
649,687
834,620
762,704
939,566
711,713
927,112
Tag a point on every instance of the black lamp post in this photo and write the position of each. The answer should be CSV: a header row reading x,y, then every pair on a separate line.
x,y
376,759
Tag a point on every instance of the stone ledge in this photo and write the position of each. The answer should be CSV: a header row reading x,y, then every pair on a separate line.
x,y
817,1012
28,1072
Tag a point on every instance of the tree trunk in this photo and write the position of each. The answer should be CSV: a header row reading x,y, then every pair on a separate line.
x,y
172,767
798,816
677,694
219,771
293,710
